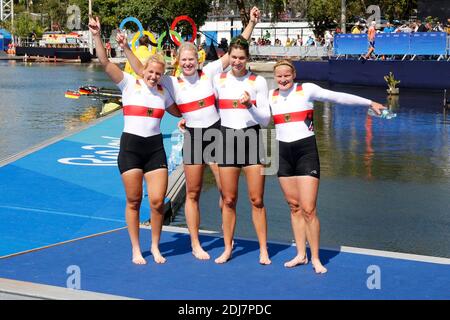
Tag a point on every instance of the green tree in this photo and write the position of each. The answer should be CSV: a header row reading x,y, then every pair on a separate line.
x,y
323,14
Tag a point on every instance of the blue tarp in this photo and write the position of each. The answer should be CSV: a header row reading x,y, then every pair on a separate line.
x,y
419,43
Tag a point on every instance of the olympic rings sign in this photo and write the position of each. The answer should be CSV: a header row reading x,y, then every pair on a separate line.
x,y
174,38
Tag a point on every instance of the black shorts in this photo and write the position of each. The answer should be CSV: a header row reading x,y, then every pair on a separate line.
x,y
200,144
372,44
137,152
241,147
299,158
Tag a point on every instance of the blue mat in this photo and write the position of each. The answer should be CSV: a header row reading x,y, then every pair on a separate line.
x,y
106,267
67,190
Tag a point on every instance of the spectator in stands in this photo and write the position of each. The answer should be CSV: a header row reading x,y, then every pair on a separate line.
x,y
253,42
201,56
448,26
389,28
328,39
428,26
310,42
405,28
108,49
438,27
299,41
289,42
421,27
356,28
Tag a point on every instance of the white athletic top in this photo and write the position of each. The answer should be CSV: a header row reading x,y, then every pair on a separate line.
x,y
292,110
229,90
143,107
194,95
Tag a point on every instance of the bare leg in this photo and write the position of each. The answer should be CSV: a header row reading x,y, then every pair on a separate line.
x,y
292,195
229,177
255,184
215,170
309,187
132,181
194,179
156,188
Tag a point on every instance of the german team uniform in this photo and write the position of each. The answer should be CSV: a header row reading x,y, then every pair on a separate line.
x,y
194,96
141,143
293,115
240,125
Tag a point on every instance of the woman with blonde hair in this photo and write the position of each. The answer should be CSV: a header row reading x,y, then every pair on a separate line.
x,y
141,153
299,168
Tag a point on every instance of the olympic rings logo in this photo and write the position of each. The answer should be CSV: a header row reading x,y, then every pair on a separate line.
x,y
168,35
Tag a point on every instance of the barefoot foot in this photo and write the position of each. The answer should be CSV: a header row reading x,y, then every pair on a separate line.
x,y
226,255
157,256
138,258
199,253
318,267
298,260
264,258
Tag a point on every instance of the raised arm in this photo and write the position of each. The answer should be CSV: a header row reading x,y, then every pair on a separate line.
x,y
135,63
110,68
246,34
317,93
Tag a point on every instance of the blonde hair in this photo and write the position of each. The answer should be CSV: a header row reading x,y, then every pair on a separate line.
x,y
156,58
189,46
284,62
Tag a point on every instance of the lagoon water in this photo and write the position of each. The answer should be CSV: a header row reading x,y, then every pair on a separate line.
x,y
385,184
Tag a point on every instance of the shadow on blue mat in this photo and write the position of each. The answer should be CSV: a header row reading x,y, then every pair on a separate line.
x,y
181,245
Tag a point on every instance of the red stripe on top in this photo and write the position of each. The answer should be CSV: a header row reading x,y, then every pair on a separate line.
x,y
223,75
252,77
140,111
276,92
299,87
198,104
293,116
233,104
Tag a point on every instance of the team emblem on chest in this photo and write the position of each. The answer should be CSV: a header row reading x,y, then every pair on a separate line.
x,y
287,117
150,112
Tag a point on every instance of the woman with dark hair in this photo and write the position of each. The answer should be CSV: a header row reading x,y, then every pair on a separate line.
x,y
243,107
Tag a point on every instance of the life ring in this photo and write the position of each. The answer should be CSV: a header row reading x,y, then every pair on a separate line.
x,y
138,36
166,27
191,22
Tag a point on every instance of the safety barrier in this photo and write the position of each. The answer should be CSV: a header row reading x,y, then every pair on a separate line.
x,y
281,51
418,43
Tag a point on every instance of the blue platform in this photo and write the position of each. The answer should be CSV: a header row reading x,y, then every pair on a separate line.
x,y
63,206
105,267
69,189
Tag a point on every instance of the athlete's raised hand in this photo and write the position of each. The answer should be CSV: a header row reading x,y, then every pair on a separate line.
x,y
255,15
121,39
94,25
